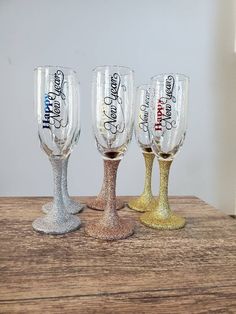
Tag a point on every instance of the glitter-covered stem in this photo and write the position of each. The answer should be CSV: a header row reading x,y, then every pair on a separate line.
x,y
148,158
102,193
110,216
145,201
100,201
64,178
58,206
72,207
164,209
110,226
162,217
57,220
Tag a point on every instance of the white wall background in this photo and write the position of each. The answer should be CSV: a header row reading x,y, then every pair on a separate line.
x,y
151,36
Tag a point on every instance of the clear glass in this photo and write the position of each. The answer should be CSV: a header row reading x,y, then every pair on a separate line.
x,y
57,100
142,133
145,201
113,115
112,112
168,113
167,124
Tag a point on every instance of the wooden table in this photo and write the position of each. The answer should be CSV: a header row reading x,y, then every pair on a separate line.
x,y
192,270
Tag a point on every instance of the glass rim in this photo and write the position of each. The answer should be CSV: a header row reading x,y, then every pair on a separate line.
x,y
112,66
182,77
43,67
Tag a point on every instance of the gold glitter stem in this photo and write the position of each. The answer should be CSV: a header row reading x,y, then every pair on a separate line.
x,y
162,217
148,158
110,216
164,210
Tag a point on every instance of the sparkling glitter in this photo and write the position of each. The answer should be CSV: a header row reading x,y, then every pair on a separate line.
x,y
110,226
100,201
146,201
162,216
58,220
71,206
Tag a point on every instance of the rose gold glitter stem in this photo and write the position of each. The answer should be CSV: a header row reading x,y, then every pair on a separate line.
x,y
110,216
102,192
111,226
100,201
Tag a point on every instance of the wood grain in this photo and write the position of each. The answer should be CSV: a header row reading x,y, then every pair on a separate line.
x,y
192,270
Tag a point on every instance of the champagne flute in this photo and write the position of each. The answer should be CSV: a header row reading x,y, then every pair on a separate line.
x,y
145,201
112,110
167,123
57,99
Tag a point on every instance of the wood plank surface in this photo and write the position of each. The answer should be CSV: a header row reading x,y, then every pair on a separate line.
x,y
192,270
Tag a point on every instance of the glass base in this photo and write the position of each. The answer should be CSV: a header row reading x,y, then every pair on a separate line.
x,y
100,204
72,207
153,220
122,230
51,226
142,204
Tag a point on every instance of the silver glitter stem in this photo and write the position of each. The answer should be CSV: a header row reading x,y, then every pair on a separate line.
x,y
73,207
64,186
58,220
58,209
